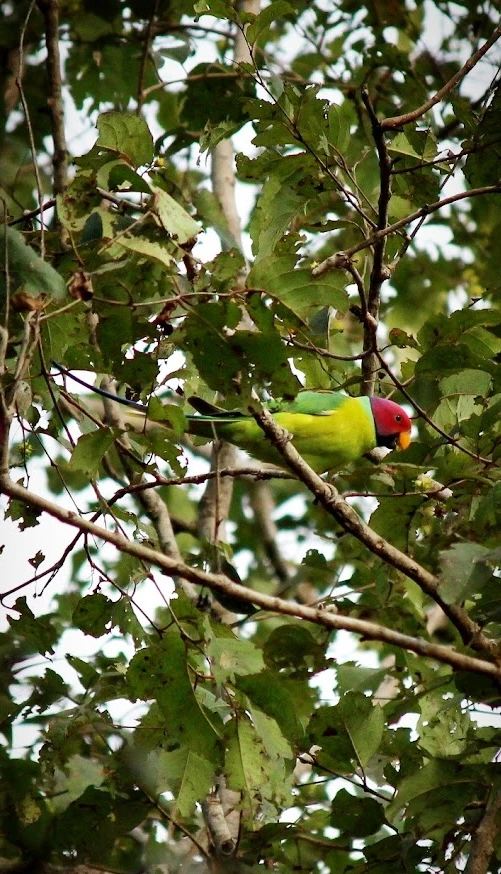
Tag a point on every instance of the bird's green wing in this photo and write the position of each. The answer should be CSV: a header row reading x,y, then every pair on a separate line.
x,y
311,403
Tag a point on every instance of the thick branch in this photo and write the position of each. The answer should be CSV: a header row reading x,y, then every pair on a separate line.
x,y
216,500
400,120
224,842
263,507
50,12
378,275
221,583
482,845
328,497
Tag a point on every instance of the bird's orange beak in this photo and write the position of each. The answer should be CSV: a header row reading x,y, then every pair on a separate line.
x,y
404,440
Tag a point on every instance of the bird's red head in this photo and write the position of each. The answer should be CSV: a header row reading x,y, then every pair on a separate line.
x,y
393,426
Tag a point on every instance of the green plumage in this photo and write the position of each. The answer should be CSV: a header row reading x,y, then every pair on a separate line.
x,y
329,429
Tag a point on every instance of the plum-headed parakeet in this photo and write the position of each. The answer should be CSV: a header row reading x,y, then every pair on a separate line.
x,y
329,429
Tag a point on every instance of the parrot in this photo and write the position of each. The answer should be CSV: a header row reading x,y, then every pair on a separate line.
x,y
329,429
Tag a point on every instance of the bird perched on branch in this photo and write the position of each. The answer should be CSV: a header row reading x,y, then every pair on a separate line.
x,y
329,429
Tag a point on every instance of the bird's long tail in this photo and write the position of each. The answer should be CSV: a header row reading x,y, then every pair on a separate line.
x,y
202,425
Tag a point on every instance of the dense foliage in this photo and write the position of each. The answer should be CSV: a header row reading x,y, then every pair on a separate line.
x,y
238,725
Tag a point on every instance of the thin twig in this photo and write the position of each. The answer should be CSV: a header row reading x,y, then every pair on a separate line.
x,y
338,260
400,120
33,213
148,36
325,353
29,126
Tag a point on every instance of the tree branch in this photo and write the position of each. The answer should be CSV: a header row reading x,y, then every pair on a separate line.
x,y
482,845
50,12
378,274
338,260
26,111
400,120
329,498
148,37
221,583
33,213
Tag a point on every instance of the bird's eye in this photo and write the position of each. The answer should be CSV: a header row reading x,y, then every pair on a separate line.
x,y
398,418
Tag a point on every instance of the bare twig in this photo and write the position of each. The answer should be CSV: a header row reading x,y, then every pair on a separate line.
x,y
310,347
254,473
33,213
400,120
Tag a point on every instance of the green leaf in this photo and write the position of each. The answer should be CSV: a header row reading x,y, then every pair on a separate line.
x,y
364,723
231,657
39,632
296,288
90,450
147,248
443,726
198,778
244,761
213,134
271,737
458,564
28,273
402,339
414,143
434,774
354,816
161,672
78,775
482,164
271,694
218,8
127,134
277,9
401,144
342,119
188,775
251,770
174,219
393,518
92,614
